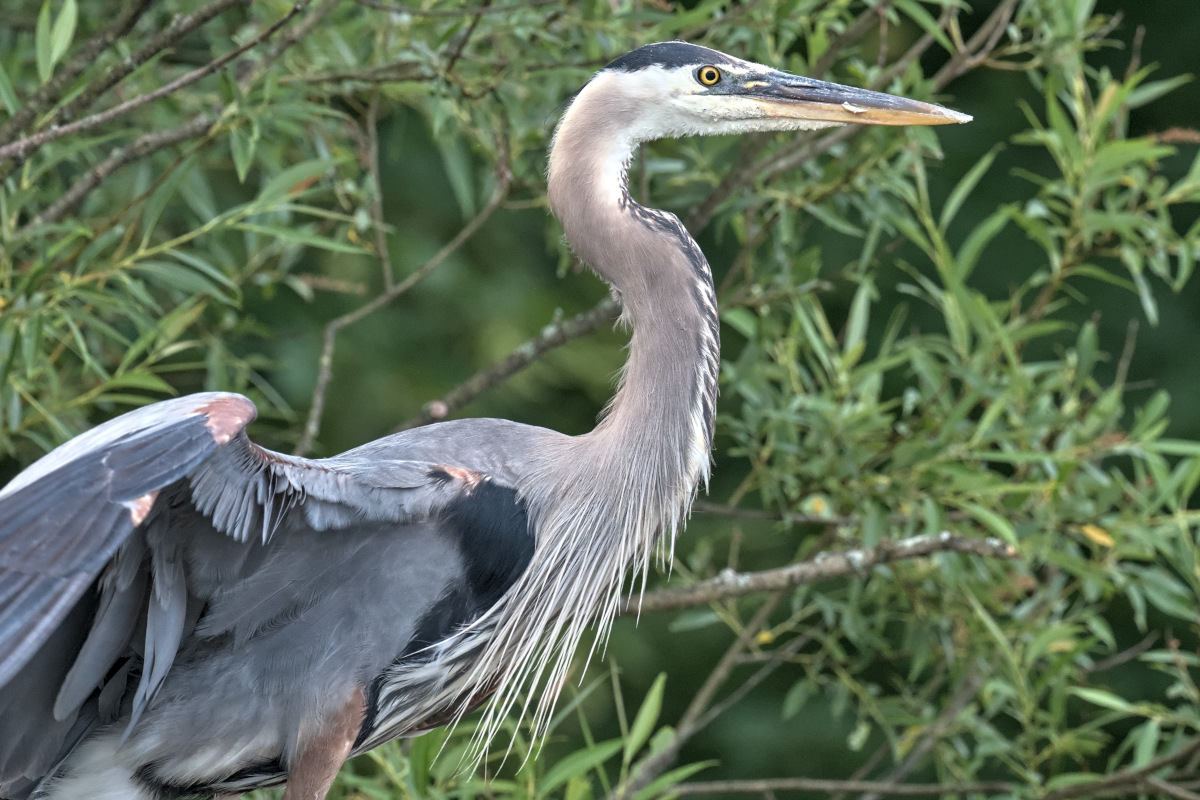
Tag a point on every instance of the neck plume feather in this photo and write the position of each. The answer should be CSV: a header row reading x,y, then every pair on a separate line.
x,y
604,501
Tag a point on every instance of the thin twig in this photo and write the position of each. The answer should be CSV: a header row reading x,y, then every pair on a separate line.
x,y
22,147
181,25
464,39
433,13
552,336
312,426
743,171
1124,780
371,126
393,72
140,148
724,510
65,75
821,785
1117,659
1171,790
291,36
980,45
731,584
967,689
777,659
1126,360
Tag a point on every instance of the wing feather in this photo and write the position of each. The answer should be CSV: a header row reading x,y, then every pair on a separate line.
x,y
172,472
65,517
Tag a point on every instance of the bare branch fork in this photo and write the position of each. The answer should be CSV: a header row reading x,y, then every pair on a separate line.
x,y
552,336
730,584
312,426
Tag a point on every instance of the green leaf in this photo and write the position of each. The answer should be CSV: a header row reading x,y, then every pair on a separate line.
x,y
742,320
241,147
288,181
63,31
7,95
1104,699
660,787
927,22
42,46
302,237
646,719
992,521
139,379
578,763
962,190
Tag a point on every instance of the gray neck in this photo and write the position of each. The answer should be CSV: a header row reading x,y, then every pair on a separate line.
x,y
665,404
602,501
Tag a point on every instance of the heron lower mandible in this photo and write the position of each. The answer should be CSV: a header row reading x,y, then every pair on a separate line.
x,y
185,613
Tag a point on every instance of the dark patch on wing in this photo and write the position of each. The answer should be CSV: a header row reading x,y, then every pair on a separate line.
x,y
490,524
669,55
491,527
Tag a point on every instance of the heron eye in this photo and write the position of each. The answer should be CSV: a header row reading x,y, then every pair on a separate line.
x,y
708,75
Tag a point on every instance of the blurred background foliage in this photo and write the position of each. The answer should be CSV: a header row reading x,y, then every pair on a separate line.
x,y
338,208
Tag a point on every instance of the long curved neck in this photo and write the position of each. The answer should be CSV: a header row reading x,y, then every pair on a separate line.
x,y
662,414
600,502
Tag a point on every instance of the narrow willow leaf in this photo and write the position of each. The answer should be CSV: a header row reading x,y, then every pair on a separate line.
x,y
578,763
63,31
7,95
965,186
660,788
41,42
1099,697
295,179
646,719
992,521
302,237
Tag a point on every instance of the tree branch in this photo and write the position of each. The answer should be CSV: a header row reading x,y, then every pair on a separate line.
x,y
140,148
1124,780
731,584
821,785
963,695
693,719
312,426
21,148
181,25
58,84
552,336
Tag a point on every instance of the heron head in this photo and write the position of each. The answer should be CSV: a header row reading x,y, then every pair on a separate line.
x,y
678,89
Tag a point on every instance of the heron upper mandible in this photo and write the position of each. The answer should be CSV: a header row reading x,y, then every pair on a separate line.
x,y
183,612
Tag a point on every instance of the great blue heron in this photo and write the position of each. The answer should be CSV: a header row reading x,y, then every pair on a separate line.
x,y
185,613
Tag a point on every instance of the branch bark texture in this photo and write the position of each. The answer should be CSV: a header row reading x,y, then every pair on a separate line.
x,y
730,584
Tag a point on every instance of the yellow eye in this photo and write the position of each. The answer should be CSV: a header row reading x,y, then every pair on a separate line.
x,y
708,75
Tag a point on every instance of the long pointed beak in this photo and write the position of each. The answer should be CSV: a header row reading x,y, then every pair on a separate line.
x,y
790,96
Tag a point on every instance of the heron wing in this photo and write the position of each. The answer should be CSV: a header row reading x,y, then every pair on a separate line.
x,y
64,519
170,472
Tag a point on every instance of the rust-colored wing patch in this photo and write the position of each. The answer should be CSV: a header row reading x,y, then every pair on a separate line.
x,y
227,416
139,507
467,477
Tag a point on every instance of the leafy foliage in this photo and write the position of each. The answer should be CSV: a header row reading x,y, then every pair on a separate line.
x,y
905,355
